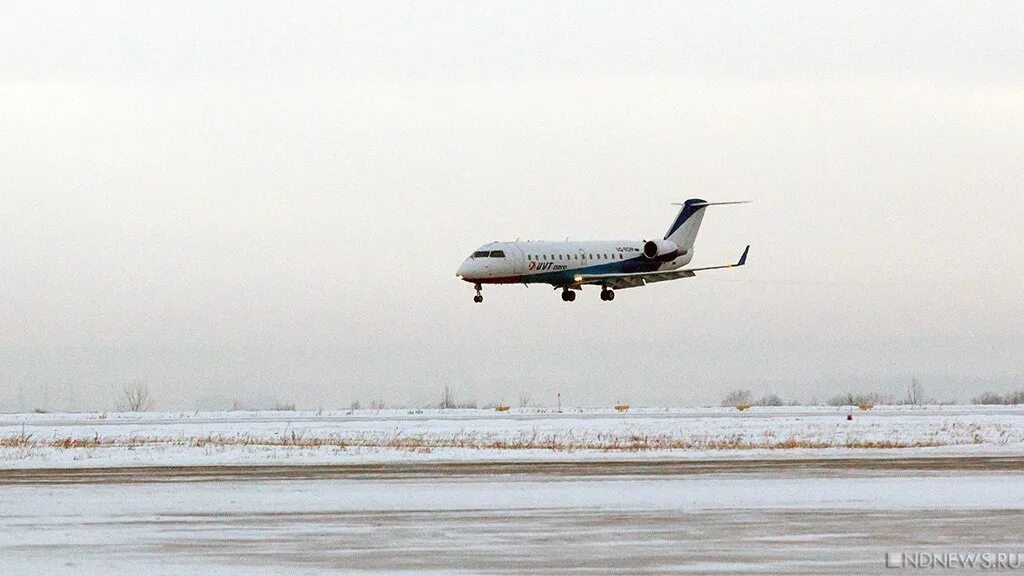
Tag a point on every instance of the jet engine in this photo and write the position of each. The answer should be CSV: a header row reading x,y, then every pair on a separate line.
x,y
660,250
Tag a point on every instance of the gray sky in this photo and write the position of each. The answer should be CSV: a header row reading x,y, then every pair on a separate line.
x,y
267,202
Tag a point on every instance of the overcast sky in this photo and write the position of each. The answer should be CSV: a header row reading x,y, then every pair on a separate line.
x,y
267,202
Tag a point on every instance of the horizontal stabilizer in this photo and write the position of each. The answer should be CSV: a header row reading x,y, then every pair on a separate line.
x,y
704,204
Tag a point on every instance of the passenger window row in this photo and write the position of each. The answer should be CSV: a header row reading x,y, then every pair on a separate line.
x,y
547,257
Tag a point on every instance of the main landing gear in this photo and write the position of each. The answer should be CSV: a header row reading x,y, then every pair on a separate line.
x,y
479,297
569,295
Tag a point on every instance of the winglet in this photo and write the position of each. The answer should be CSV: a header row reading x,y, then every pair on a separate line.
x,y
743,259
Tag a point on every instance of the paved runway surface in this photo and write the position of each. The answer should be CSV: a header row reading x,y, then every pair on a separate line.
x,y
784,517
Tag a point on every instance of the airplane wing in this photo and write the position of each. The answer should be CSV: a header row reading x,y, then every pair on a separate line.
x,y
620,281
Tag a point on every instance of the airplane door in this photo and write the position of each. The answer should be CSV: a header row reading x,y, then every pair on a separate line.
x,y
583,258
518,261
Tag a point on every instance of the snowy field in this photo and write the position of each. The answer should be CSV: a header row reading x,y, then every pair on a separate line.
x,y
365,437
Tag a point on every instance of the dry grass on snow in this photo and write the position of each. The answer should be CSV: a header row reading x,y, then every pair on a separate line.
x,y
557,443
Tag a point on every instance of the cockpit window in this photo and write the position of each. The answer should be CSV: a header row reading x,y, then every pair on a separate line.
x,y
497,253
481,254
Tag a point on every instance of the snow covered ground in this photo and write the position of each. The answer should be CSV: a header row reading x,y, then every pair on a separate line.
x,y
656,491
361,437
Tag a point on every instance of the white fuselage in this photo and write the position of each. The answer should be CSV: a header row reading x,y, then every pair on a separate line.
x,y
559,263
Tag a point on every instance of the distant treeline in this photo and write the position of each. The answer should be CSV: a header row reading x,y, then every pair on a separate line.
x,y
136,397
1013,397
915,396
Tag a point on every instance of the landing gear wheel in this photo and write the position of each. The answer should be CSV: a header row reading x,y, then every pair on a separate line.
x,y
479,297
607,295
568,295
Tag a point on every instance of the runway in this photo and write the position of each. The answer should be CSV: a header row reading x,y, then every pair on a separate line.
x,y
687,517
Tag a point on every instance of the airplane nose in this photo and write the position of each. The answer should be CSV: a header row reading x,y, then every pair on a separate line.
x,y
463,270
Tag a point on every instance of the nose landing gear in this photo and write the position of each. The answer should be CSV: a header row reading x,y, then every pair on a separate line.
x,y
479,297
607,295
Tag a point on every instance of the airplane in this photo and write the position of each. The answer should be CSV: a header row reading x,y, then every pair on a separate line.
x,y
612,265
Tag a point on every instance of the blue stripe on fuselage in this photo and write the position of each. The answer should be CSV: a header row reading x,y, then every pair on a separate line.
x,y
564,277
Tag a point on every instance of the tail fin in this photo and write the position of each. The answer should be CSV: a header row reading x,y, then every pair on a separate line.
x,y
683,231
